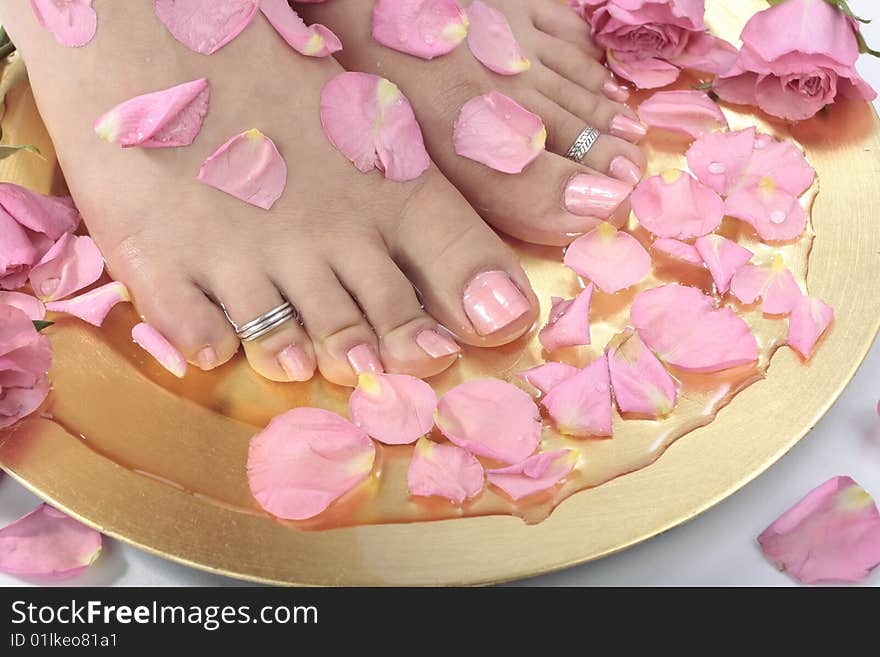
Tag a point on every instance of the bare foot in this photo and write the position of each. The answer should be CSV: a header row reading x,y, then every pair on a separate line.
x,y
566,86
345,248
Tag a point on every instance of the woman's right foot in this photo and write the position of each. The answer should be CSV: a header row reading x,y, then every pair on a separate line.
x,y
346,249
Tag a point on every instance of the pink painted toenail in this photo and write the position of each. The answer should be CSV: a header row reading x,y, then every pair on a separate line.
x,y
436,345
363,358
590,195
615,91
625,128
206,359
296,363
626,170
157,345
492,301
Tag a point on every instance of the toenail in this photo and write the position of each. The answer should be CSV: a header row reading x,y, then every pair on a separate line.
x,y
626,170
625,128
492,301
363,358
615,91
591,195
206,359
295,363
436,345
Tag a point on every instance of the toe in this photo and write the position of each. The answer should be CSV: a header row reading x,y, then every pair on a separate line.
x,y
610,154
470,281
283,354
343,340
559,20
568,61
598,111
205,338
410,341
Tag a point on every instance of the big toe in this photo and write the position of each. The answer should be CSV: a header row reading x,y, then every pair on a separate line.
x,y
469,280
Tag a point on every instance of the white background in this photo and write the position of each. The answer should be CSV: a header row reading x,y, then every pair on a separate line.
x,y
717,548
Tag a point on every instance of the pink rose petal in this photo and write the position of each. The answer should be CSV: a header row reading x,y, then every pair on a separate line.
x,y
490,418
647,73
807,323
534,475
782,162
70,265
18,253
372,123
17,403
581,406
93,307
206,25
775,214
72,22
155,344
494,130
678,250
304,460
723,257
422,28
445,471
23,367
719,159
707,53
685,329
27,303
831,535
16,331
395,409
162,119
677,205
775,283
248,167
50,215
46,542
569,322
641,385
25,357
612,259
310,40
547,376
689,112
492,41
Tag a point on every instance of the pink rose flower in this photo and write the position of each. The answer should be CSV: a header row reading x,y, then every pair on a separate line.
x,y
30,224
649,41
25,357
797,57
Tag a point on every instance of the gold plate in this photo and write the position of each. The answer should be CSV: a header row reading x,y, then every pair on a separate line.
x,y
143,424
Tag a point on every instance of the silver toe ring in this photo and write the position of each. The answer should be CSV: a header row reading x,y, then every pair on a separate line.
x,y
265,323
583,144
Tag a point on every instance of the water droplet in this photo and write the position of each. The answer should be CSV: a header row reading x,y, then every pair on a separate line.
x,y
429,39
717,168
777,217
508,116
761,142
403,38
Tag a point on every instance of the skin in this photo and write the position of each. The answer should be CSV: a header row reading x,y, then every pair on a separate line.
x,y
563,87
347,249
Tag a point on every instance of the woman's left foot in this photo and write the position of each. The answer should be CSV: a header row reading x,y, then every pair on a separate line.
x,y
566,86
